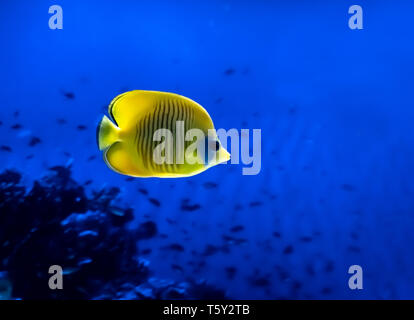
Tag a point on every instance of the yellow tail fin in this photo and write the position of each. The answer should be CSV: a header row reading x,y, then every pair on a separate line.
x,y
107,133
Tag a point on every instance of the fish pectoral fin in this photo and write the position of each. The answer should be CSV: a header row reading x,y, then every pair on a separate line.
x,y
118,158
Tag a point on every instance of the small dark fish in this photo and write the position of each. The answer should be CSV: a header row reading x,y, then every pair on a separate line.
x,y
209,185
229,71
16,113
260,282
326,290
145,251
238,207
237,228
277,234
34,141
354,235
67,154
170,221
61,121
185,206
310,270
87,182
255,204
288,249
30,156
155,202
292,110
6,148
296,285
176,267
232,240
147,230
16,126
174,247
1,123
230,272
143,191
93,157
354,249
283,274
163,235
60,170
306,239
218,100
225,249
210,250
129,179
69,95
347,187
81,127
329,266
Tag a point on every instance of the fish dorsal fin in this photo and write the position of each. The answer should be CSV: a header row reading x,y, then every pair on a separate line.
x,y
118,158
129,107
126,108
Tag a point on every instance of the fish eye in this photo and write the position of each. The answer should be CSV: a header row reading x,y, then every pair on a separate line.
x,y
217,146
214,145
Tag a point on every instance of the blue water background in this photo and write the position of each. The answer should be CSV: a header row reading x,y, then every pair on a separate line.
x,y
334,105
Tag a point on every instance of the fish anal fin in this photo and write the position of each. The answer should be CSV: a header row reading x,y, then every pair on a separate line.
x,y
118,158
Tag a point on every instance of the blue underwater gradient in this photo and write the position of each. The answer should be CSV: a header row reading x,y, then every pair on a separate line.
x,y
335,107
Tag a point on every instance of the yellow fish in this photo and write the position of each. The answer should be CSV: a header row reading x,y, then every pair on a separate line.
x,y
133,145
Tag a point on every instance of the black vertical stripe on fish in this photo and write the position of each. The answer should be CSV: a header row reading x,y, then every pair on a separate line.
x,y
160,110
179,138
148,141
161,126
176,118
140,139
154,125
136,134
171,127
144,145
183,107
163,123
166,125
186,115
165,117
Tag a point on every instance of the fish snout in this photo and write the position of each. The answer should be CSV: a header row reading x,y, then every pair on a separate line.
x,y
224,155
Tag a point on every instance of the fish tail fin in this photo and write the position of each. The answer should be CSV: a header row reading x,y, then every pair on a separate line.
x,y
107,133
